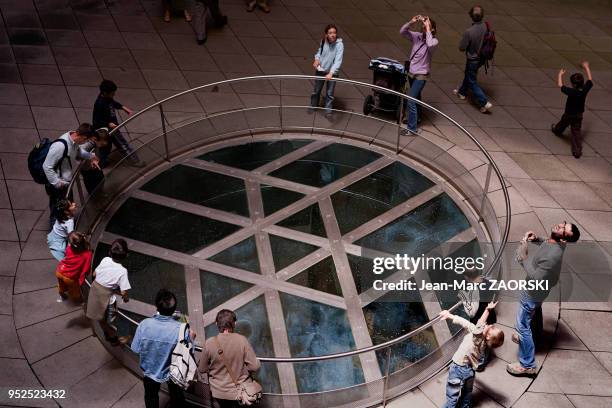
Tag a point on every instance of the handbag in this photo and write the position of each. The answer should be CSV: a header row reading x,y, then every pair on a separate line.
x,y
407,63
247,393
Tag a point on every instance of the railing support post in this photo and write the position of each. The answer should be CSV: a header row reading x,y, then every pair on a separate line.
x,y
280,91
399,125
386,381
79,185
486,190
163,122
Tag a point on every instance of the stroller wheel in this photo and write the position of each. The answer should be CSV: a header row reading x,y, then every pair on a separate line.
x,y
368,105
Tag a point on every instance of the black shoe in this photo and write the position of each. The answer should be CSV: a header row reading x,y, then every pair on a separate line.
x,y
577,154
552,129
203,41
221,21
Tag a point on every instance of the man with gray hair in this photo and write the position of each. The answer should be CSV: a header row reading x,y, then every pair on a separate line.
x,y
471,42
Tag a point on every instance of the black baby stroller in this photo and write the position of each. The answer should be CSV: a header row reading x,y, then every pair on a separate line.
x,y
391,74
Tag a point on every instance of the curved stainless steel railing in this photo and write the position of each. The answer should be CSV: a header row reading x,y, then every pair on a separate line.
x,y
492,168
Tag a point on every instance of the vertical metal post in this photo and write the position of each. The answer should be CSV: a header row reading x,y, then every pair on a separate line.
x,y
399,125
163,121
486,190
386,381
79,185
280,90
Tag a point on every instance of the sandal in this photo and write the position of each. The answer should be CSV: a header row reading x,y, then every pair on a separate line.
x,y
187,16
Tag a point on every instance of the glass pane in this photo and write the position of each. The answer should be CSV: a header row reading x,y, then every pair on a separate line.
x,y
216,289
287,251
275,198
243,255
148,274
371,196
316,329
167,227
326,165
421,230
124,326
362,269
321,276
201,187
254,325
252,155
388,319
308,220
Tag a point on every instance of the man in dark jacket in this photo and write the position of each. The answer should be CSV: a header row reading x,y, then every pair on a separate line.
x,y
105,116
471,43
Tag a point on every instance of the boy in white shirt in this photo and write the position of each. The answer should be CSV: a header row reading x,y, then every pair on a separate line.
x,y
110,277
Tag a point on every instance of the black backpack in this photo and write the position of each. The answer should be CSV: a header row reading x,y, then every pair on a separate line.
x,y
37,157
487,49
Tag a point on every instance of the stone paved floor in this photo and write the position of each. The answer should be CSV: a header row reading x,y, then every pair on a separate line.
x,y
53,53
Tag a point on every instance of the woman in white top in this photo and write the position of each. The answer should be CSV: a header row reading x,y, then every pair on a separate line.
x,y
64,225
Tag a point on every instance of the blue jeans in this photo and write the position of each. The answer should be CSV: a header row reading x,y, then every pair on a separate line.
x,y
122,144
57,245
329,93
470,82
527,309
416,86
459,386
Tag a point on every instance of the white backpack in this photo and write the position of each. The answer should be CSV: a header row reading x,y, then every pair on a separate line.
x,y
182,364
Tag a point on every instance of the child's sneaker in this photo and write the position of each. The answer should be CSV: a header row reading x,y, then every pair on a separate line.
x,y
458,95
62,297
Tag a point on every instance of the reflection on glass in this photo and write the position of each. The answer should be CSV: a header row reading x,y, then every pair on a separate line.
x,y
315,329
363,275
148,274
321,276
326,165
217,289
419,231
252,155
287,251
388,319
308,220
243,255
203,187
275,198
124,326
167,227
373,195
448,298
254,325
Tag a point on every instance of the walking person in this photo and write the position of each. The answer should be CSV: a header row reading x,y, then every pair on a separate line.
x,y
57,239
419,63
479,339
154,342
229,361
200,7
110,277
62,155
471,43
71,270
105,116
574,106
543,265
327,63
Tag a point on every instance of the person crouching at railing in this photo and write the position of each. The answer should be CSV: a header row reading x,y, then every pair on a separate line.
x,y
72,269
110,276
57,239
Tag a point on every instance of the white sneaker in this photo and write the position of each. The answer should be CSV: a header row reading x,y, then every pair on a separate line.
x,y
458,95
486,108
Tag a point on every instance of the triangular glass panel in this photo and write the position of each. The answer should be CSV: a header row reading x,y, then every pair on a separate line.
x,y
217,289
243,255
308,220
375,194
252,155
321,276
326,165
167,227
287,251
202,187
275,198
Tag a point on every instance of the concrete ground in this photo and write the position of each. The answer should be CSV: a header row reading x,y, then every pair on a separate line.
x,y
53,54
